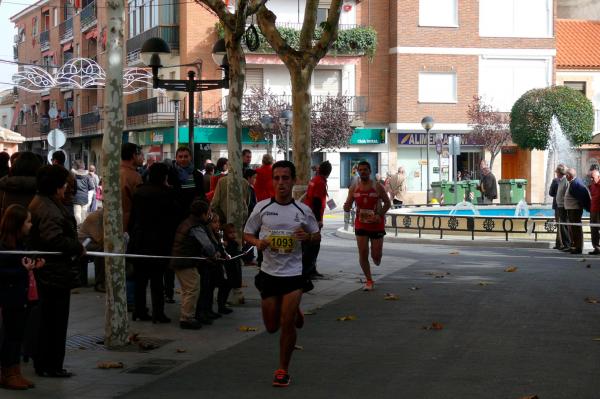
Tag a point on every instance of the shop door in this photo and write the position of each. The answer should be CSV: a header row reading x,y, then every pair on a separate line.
x,y
350,160
510,165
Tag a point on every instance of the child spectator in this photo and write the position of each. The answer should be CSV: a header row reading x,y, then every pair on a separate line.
x,y
233,270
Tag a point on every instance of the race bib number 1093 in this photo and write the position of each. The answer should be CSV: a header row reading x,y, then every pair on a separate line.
x,y
282,241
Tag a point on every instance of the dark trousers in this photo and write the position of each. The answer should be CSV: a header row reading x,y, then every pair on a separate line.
x,y
153,271
557,242
54,313
169,280
565,235
233,279
13,324
595,218
576,232
310,252
396,203
211,277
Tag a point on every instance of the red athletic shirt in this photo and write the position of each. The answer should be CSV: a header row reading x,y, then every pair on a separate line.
x,y
366,202
317,188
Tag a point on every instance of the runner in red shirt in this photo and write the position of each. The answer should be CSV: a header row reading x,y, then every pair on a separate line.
x,y
316,199
372,203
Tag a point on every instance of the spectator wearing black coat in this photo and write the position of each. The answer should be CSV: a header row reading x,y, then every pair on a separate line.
x,y
20,187
154,219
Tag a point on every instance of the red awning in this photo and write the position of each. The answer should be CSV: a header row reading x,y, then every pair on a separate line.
x,y
48,53
93,34
67,46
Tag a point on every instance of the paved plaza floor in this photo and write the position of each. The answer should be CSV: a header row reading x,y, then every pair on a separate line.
x,y
455,324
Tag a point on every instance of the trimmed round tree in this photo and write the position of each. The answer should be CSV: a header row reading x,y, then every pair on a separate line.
x,y
531,117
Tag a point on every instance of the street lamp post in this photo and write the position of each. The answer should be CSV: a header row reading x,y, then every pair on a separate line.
x,y
285,117
427,124
175,96
266,121
150,54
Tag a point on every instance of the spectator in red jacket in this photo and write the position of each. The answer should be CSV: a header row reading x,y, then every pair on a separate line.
x,y
316,199
264,181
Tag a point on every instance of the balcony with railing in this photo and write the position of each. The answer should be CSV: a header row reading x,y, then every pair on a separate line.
x,y
45,40
65,30
88,124
169,34
88,16
151,112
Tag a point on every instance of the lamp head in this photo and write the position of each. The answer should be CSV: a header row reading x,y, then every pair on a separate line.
x,y
219,53
427,123
266,121
286,117
151,51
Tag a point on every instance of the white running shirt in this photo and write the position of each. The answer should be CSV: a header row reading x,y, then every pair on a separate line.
x,y
277,223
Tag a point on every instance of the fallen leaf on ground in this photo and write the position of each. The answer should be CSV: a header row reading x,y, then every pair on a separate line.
x,y
529,397
391,297
454,253
133,338
414,288
75,292
438,274
180,350
511,269
582,260
247,329
110,365
299,347
309,313
484,283
347,318
434,326
596,339
82,348
591,299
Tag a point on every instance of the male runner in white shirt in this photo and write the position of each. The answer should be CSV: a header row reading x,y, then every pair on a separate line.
x,y
281,223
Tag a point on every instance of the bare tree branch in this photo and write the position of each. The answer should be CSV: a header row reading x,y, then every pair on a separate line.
x,y
266,22
254,7
219,8
330,30
308,25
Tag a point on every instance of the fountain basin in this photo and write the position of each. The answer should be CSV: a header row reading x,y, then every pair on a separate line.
x,y
480,221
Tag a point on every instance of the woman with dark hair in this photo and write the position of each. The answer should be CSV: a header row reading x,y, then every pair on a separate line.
x,y
54,229
154,217
20,186
4,159
15,278
221,171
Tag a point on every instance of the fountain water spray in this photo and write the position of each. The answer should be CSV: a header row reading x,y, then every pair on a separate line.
x,y
560,151
464,205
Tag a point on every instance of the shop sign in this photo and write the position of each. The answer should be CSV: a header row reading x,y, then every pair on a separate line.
x,y
421,139
157,137
368,136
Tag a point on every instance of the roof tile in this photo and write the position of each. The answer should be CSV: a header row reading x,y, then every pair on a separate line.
x,y
577,43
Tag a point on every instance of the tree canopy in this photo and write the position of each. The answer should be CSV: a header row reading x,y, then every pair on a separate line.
x,y
531,117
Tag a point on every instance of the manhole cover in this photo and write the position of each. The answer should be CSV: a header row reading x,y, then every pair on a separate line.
x,y
96,343
153,366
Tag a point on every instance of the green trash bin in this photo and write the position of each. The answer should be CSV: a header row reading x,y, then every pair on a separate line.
x,y
453,192
512,190
436,190
473,193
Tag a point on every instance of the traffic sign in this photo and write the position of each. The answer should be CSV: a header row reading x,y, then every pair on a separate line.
x,y
56,138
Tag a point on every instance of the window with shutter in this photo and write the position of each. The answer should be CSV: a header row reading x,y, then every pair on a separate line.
x,y
327,82
254,79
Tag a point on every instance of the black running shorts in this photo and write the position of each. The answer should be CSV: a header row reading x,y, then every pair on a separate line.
x,y
269,285
369,233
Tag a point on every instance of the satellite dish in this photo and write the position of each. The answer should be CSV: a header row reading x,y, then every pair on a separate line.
x,y
53,113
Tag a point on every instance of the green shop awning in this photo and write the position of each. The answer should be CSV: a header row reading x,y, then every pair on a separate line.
x,y
205,135
368,136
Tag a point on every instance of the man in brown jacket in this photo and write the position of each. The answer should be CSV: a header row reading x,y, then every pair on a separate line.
x,y
131,158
